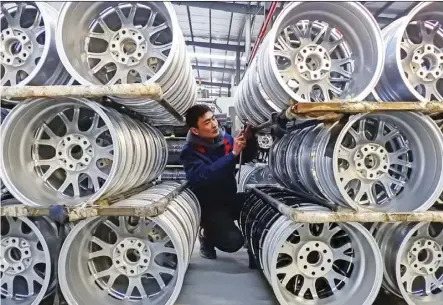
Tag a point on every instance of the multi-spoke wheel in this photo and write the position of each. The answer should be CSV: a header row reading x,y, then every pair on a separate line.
x,y
28,253
316,51
414,60
132,42
114,260
311,263
74,150
253,174
413,258
27,48
389,162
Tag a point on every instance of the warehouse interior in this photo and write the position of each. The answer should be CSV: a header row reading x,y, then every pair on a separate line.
x,y
344,196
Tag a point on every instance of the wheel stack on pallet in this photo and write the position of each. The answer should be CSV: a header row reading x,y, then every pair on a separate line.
x,y
70,146
359,166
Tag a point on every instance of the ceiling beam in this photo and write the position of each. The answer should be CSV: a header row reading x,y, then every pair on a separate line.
x,y
214,84
215,69
216,46
225,7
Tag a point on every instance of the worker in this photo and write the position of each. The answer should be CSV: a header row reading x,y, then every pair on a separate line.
x,y
209,159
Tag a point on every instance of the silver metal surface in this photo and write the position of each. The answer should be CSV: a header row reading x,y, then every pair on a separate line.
x,y
414,62
321,264
130,259
253,174
27,47
128,42
413,260
75,150
315,51
380,161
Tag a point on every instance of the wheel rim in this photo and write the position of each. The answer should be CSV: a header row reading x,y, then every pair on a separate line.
x,y
25,259
146,254
413,69
80,152
28,51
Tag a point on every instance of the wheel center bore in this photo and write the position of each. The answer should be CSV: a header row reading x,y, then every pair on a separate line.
x,y
16,47
313,62
371,161
427,62
315,259
16,255
128,46
75,152
131,256
425,256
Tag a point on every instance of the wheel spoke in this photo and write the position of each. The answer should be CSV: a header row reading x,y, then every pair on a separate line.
x,y
157,29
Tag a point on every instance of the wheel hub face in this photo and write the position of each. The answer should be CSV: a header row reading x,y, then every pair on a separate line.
x,y
427,62
371,161
128,46
75,152
315,259
16,47
313,62
16,255
425,256
131,257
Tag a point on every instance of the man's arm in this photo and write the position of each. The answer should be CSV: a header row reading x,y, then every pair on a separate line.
x,y
197,172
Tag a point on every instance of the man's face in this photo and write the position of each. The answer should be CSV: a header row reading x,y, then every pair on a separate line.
x,y
207,126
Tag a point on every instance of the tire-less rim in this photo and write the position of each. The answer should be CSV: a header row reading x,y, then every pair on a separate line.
x,y
130,259
389,162
28,51
300,44
325,264
25,262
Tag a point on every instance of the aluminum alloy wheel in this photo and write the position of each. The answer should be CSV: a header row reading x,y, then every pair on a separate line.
x,y
311,263
438,118
130,259
253,174
385,162
26,261
130,42
75,150
413,258
414,62
27,48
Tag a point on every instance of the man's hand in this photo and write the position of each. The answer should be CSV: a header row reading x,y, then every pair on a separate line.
x,y
239,144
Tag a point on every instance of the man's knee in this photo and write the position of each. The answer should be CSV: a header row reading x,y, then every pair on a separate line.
x,y
231,242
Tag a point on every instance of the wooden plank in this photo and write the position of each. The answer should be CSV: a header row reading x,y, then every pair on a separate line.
x,y
361,107
151,91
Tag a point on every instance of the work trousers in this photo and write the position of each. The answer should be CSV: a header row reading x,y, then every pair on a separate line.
x,y
219,228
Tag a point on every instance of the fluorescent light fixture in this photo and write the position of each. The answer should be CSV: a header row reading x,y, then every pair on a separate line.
x,y
215,56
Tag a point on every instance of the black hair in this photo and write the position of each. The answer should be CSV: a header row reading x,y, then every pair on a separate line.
x,y
194,113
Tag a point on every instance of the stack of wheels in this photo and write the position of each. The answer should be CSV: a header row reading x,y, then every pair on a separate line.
x,y
175,146
28,49
173,174
414,62
72,150
311,263
379,161
315,51
413,260
253,173
128,42
115,260
29,252
3,190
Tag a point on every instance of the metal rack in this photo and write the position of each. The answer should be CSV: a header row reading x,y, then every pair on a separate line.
x,y
320,111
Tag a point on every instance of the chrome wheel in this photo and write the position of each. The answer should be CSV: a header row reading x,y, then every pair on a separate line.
x,y
413,256
27,48
414,61
130,42
388,162
131,259
76,150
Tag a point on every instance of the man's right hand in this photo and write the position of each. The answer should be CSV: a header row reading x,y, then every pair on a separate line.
x,y
239,144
